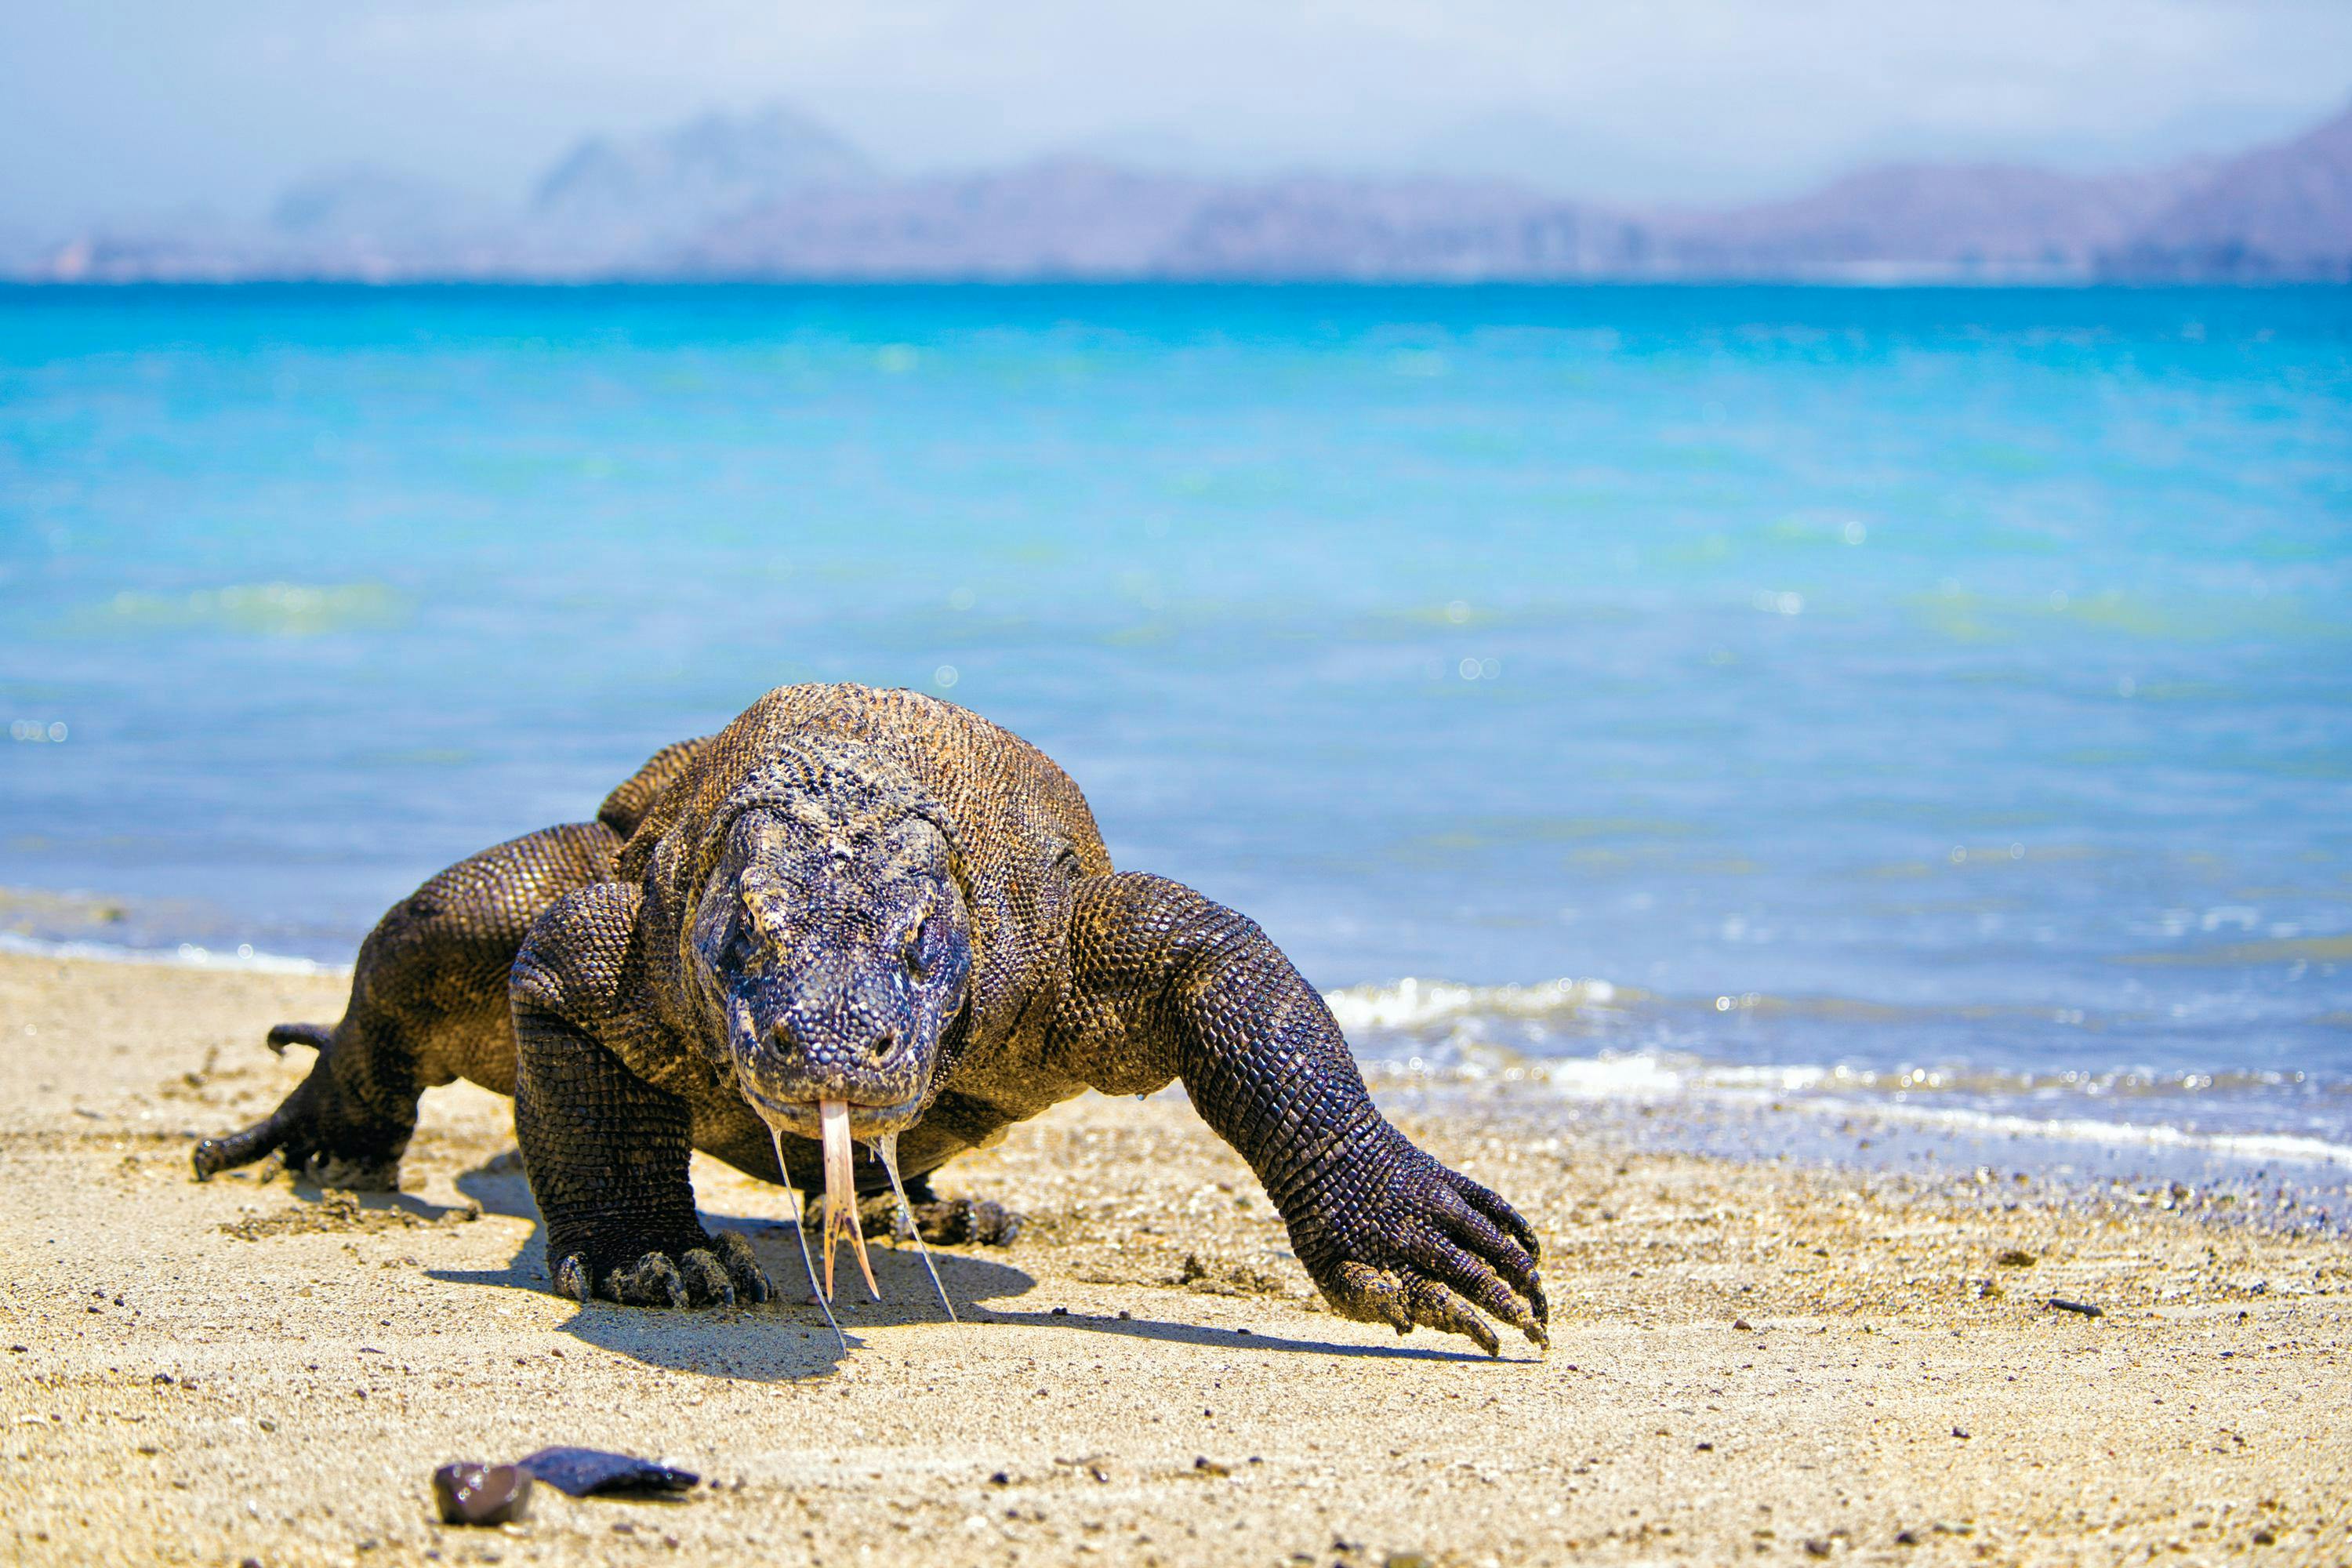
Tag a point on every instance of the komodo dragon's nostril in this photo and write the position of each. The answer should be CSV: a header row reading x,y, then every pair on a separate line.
x,y
880,1045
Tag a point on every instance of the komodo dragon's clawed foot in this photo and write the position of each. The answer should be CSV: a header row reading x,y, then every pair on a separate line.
x,y
318,1132
941,1222
981,1222
720,1273
1397,1238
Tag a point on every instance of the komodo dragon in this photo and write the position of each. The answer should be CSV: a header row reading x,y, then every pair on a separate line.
x,y
870,899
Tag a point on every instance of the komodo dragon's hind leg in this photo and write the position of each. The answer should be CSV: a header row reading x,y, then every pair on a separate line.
x,y
429,997
428,1004
325,1131
942,1222
271,1133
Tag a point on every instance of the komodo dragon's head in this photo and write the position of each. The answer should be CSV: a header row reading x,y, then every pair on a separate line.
x,y
830,938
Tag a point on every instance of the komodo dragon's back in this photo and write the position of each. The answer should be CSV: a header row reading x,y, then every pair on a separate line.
x,y
1007,800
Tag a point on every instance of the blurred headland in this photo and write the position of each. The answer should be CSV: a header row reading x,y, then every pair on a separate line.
x,y
774,195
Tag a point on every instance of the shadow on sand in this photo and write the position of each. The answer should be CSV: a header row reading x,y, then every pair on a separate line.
x,y
787,1339
1227,1339
784,1341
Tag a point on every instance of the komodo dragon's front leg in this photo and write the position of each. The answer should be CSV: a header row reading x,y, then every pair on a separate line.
x,y
1163,984
607,1153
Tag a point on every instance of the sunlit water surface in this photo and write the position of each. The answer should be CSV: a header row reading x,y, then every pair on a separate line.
x,y
1934,702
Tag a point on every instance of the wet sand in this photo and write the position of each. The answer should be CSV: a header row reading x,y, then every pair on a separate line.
x,y
1750,1363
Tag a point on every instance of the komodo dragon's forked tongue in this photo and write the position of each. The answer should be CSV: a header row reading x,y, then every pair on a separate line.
x,y
800,1234
886,1149
841,1207
841,1192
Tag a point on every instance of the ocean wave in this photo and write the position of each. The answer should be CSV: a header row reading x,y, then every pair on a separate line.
x,y
1657,1078
186,955
1911,1082
1470,1060
1421,1006
2265,1147
1411,1003
1637,1075
1448,1025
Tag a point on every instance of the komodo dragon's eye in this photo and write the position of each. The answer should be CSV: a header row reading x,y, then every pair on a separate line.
x,y
910,949
757,934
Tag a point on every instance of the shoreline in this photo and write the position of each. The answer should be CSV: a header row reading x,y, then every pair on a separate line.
x,y
1671,1101
1760,1360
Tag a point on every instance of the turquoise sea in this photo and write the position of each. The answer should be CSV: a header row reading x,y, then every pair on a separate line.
x,y
1933,707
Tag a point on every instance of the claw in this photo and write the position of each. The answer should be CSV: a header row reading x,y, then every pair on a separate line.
x,y
231,1149
1498,1211
1436,1307
1372,1295
571,1278
653,1281
743,1268
706,1278
1488,1268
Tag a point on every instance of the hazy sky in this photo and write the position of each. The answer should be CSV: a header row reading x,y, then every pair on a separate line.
x,y
136,106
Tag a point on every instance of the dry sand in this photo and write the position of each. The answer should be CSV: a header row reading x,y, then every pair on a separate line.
x,y
1750,1363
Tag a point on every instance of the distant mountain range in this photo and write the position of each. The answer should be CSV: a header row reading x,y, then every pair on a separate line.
x,y
773,196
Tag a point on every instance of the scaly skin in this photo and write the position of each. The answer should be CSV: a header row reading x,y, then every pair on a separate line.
x,y
879,897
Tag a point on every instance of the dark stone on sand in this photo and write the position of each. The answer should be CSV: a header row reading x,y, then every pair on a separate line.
x,y
469,1493
584,1472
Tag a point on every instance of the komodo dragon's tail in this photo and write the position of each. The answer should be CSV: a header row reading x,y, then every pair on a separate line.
x,y
318,1036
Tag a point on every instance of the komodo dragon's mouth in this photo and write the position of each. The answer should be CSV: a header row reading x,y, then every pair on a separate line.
x,y
841,1199
868,1122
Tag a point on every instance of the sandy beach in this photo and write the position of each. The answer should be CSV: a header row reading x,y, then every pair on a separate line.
x,y
1750,1363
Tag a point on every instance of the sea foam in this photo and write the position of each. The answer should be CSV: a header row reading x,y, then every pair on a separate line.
x,y
186,955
